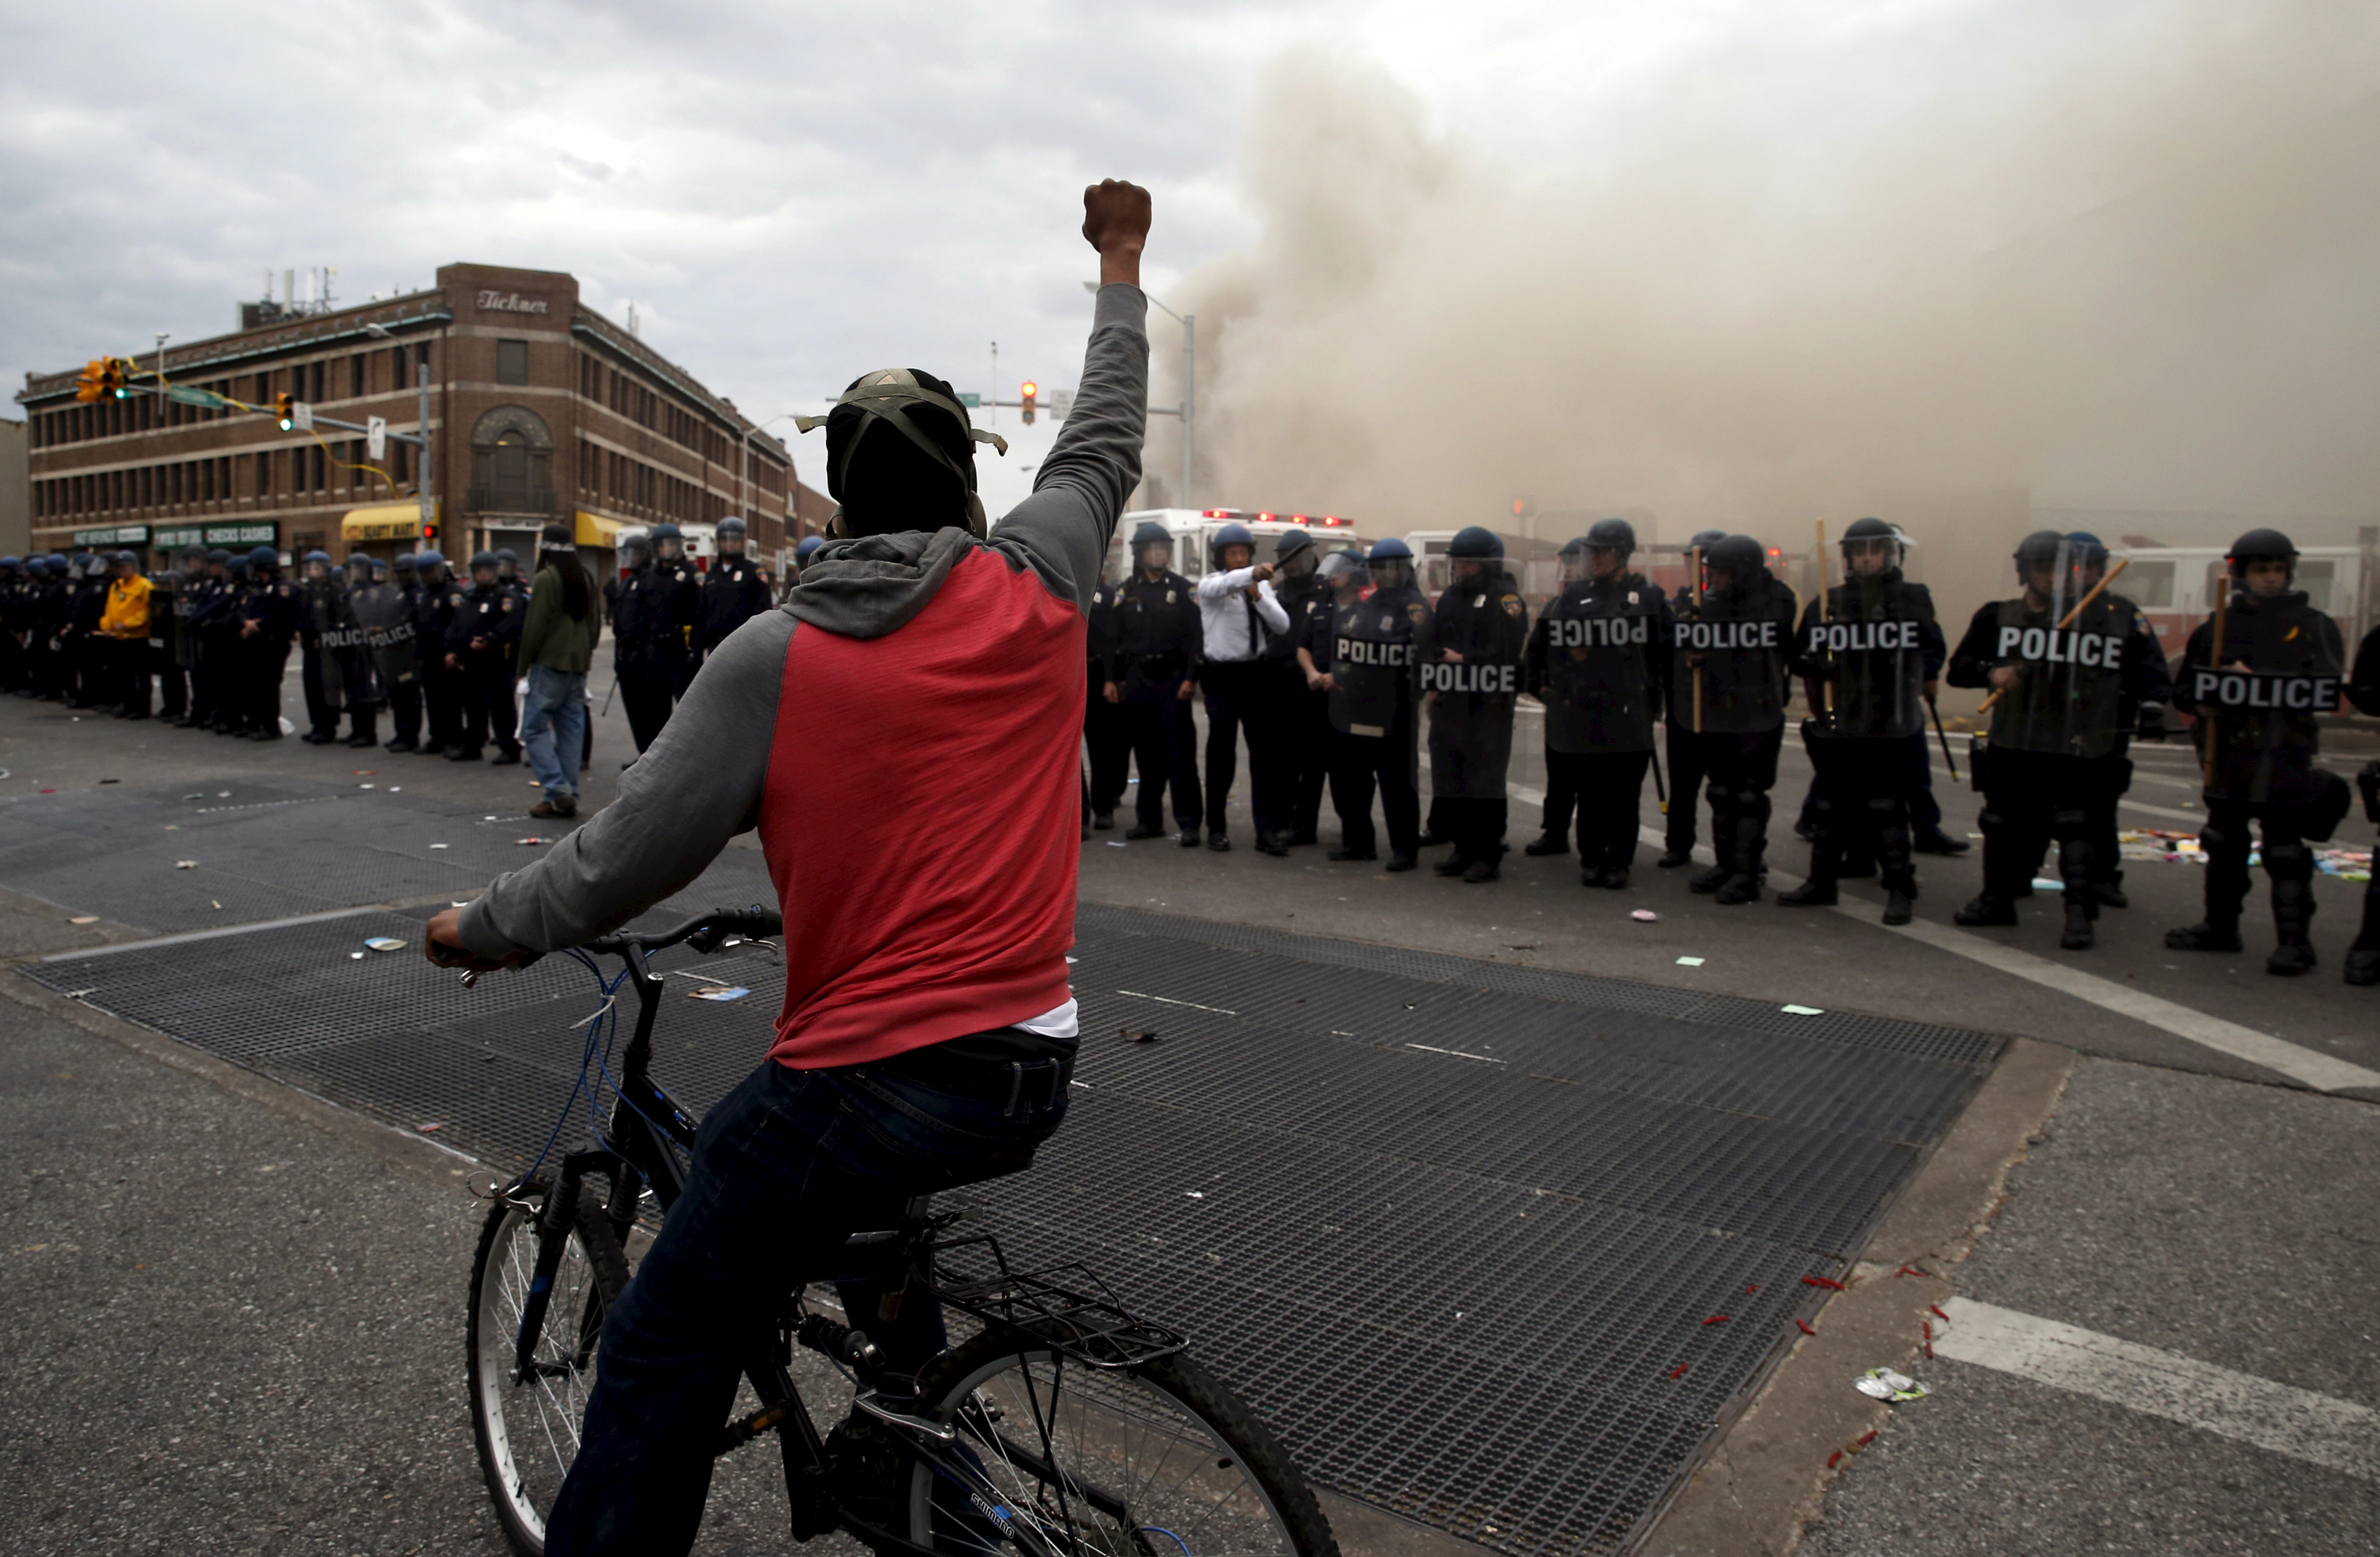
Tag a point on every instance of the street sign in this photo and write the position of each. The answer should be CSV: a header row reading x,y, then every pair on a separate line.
x,y
970,400
189,396
376,437
302,417
117,535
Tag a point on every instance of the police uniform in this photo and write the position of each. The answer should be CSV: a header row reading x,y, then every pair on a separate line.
x,y
378,620
1471,700
1597,660
1107,735
2054,753
1301,714
492,613
442,689
2281,665
1732,655
271,603
1158,646
2362,967
734,591
1869,646
319,667
401,661
646,648
213,623
1375,663
680,584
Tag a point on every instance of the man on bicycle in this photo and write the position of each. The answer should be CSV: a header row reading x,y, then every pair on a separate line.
x,y
919,667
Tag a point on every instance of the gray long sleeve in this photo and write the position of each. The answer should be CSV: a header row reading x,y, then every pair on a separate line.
x,y
1061,531
698,785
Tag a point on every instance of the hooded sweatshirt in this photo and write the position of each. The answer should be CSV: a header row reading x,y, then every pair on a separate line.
x,y
906,676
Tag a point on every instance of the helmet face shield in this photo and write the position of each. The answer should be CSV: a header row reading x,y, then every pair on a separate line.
x,y
1869,555
1392,573
636,552
1153,556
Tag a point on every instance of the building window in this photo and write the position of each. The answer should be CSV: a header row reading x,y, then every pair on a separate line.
x,y
512,361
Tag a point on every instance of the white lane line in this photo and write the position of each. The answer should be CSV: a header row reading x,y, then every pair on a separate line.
x,y
2132,804
1433,1049
2317,1428
1191,1004
155,941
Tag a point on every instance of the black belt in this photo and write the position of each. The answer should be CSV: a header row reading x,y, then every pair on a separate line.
x,y
1028,1083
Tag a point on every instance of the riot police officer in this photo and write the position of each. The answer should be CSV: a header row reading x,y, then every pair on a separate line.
x,y
1597,660
646,643
12,647
1680,814
86,647
480,642
1869,649
2254,676
679,582
380,656
2064,678
1151,673
319,668
402,666
1378,643
1344,577
734,591
435,602
267,614
172,596
1300,713
1470,681
1728,677
204,627
361,688
2362,967
1107,739
508,569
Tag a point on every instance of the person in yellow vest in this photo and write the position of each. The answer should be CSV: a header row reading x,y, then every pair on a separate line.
x,y
124,634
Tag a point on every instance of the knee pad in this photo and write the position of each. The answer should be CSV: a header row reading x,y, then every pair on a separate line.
x,y
1753,803
1720,797
2068,824
1886,809
2288,862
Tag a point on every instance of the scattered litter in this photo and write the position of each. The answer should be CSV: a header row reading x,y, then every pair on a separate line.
x,y
1801,1011
528,840
1830,1284
367,786
49,792
429,1129
1883,1383
111,780
1679,1371
1939,1313
1690,962
1645,915
396,789
1195,1194
1071,959
385,944
1752,1287
200,796
212,903
1927,1327
223,794
354,956
2044,884
1116,844
186,864
287,727
438,846
84,918
720,991
365,772
1911,1271
1805,1327
1716,1318
1135,1035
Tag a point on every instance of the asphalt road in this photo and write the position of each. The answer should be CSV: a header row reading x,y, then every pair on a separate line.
x,y
287,1285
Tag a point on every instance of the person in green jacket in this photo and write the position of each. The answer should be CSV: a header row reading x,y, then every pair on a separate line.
x,y
557,644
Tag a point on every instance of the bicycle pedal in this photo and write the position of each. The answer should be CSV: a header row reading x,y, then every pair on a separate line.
x,y
870,1402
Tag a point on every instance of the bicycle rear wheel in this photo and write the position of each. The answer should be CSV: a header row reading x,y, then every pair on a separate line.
x,y
527,1429
1157,1460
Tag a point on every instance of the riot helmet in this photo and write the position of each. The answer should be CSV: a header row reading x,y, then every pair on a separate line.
x,y
1572,556
379,571
2086,549
730,537
1472,551
1735,561
192,559
219,558
1230,535
1613,535
1871,549
264,559
1152,547
2263,545
507,565
669,543
429,567
317,564
358,569
1703,540
8,564
1294,553
636,552
128,561
241,567
403,568
1391,564
1345,573
808,547
483,567
2040,557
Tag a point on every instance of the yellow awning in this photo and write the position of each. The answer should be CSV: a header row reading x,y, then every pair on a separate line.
x,y
386,521
594,529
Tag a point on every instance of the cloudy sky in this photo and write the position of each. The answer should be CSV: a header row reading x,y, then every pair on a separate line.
x,y
792,192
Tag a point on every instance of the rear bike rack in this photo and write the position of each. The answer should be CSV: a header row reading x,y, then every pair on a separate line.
x,y
1064,1306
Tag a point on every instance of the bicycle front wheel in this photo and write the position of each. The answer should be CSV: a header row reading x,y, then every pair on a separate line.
x,y
527,1425
1157,1460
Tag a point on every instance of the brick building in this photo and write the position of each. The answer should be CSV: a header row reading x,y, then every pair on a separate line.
x,y
540,410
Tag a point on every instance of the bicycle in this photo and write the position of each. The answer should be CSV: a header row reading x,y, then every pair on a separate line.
x,y
1064,1426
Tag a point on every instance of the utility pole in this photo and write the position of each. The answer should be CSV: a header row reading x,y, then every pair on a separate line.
x,y
429,508
993,419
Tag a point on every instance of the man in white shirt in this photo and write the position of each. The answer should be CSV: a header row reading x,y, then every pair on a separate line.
x,y
1240,615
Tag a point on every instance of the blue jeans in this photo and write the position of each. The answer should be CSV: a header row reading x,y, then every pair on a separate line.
x,y
785,1168
554,727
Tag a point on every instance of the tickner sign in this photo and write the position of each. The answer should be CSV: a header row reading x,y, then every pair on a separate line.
x,y
1494,680
2258,691
491,301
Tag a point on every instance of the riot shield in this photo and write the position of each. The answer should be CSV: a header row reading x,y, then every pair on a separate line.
x,y
384,653
2065,695
1868,642
1374,658
1601,648
1728,670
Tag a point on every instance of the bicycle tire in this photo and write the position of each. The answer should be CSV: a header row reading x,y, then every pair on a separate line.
x,y
1252,1501
527,1433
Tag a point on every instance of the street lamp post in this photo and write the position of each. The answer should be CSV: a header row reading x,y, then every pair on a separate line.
x,y
1188,410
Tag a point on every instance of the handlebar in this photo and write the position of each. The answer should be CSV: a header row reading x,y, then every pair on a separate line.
x,y
706,932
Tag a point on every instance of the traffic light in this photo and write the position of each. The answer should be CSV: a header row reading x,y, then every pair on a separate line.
x,y
91,383
1026,398
429,532
286,407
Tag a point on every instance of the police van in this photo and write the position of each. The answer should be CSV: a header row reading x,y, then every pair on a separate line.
x,y
1194,531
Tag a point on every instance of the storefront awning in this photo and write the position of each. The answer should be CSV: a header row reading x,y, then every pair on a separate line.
x,y
594,529
386,521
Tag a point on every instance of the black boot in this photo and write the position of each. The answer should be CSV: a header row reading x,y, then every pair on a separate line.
x,y
1723,845
1552,842
1826,862
1674,856
1895,861
2081,899
2363,965
2226,892
2291,868
1748,838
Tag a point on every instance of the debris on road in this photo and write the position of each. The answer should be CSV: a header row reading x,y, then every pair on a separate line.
x,y
1883,1383
719,991
1645,915
1801,1011
186,864
385,944
1690,962
84,918
1135,1035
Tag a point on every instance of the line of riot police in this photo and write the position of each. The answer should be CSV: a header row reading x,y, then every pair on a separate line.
x,y
2074,667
